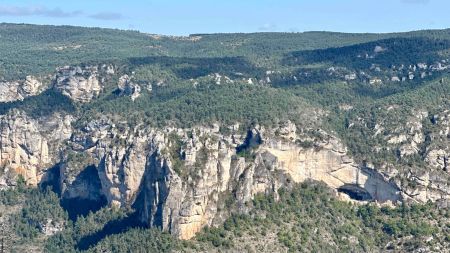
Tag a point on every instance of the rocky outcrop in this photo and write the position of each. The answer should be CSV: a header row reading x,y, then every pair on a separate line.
x,y
18,90
186,199
439,159
422,186
121,170
179,179
328,162
406,139
80,84
50,227
438,153
183,200
23,149
29,146
127,87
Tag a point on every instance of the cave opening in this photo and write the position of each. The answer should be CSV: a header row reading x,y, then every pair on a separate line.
x,y
251,141
52,179
93,200
355,192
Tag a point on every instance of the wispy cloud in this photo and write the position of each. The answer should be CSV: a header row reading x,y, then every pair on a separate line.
x,y
10,10
415,1
22,11
107,16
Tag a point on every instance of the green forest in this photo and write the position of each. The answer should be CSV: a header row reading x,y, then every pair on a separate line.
x,y
298,221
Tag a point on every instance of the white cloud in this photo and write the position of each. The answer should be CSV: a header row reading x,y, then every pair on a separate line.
x,y
10,10
22,11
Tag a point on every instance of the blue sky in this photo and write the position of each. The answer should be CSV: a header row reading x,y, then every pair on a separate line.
x,y
178,17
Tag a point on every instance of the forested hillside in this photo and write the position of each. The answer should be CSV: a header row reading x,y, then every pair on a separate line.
x,y
121,141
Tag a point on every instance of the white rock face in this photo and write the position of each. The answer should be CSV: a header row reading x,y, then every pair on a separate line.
x,y
379,49
179,188
23,150
410,136
9,91
330,165
31,86
439,158
398,139
395,79
18,90
129,88
80,84
177,179
27,146
187,209
109,69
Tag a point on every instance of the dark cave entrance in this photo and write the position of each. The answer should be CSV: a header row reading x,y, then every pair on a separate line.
x,y
89,180
52,179
355,192
252,140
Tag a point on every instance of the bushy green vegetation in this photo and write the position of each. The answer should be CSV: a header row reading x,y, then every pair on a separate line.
x,y
26,48
394,51
39,209
44,104
183,105
13,196
309,219
306,218
138,240
173,61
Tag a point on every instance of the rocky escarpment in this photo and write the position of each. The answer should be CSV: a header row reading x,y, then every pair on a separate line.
x,y
438,153
18,90
29,146
420,144
183,204
82,84
180,179
128,87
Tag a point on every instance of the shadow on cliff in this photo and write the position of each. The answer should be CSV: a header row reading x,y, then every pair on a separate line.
x,y
51,179
187,68
375,188
44,104
153,173
82,196
111,228
356,192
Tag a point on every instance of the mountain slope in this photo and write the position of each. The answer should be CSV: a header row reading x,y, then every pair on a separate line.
x,y
134,131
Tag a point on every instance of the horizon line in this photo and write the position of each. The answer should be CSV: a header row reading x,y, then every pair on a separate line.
x,y
221,33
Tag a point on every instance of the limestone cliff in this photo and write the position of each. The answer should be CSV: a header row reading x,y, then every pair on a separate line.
x,y
183,200
82,84
29,146
180,179
128,87
18,90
